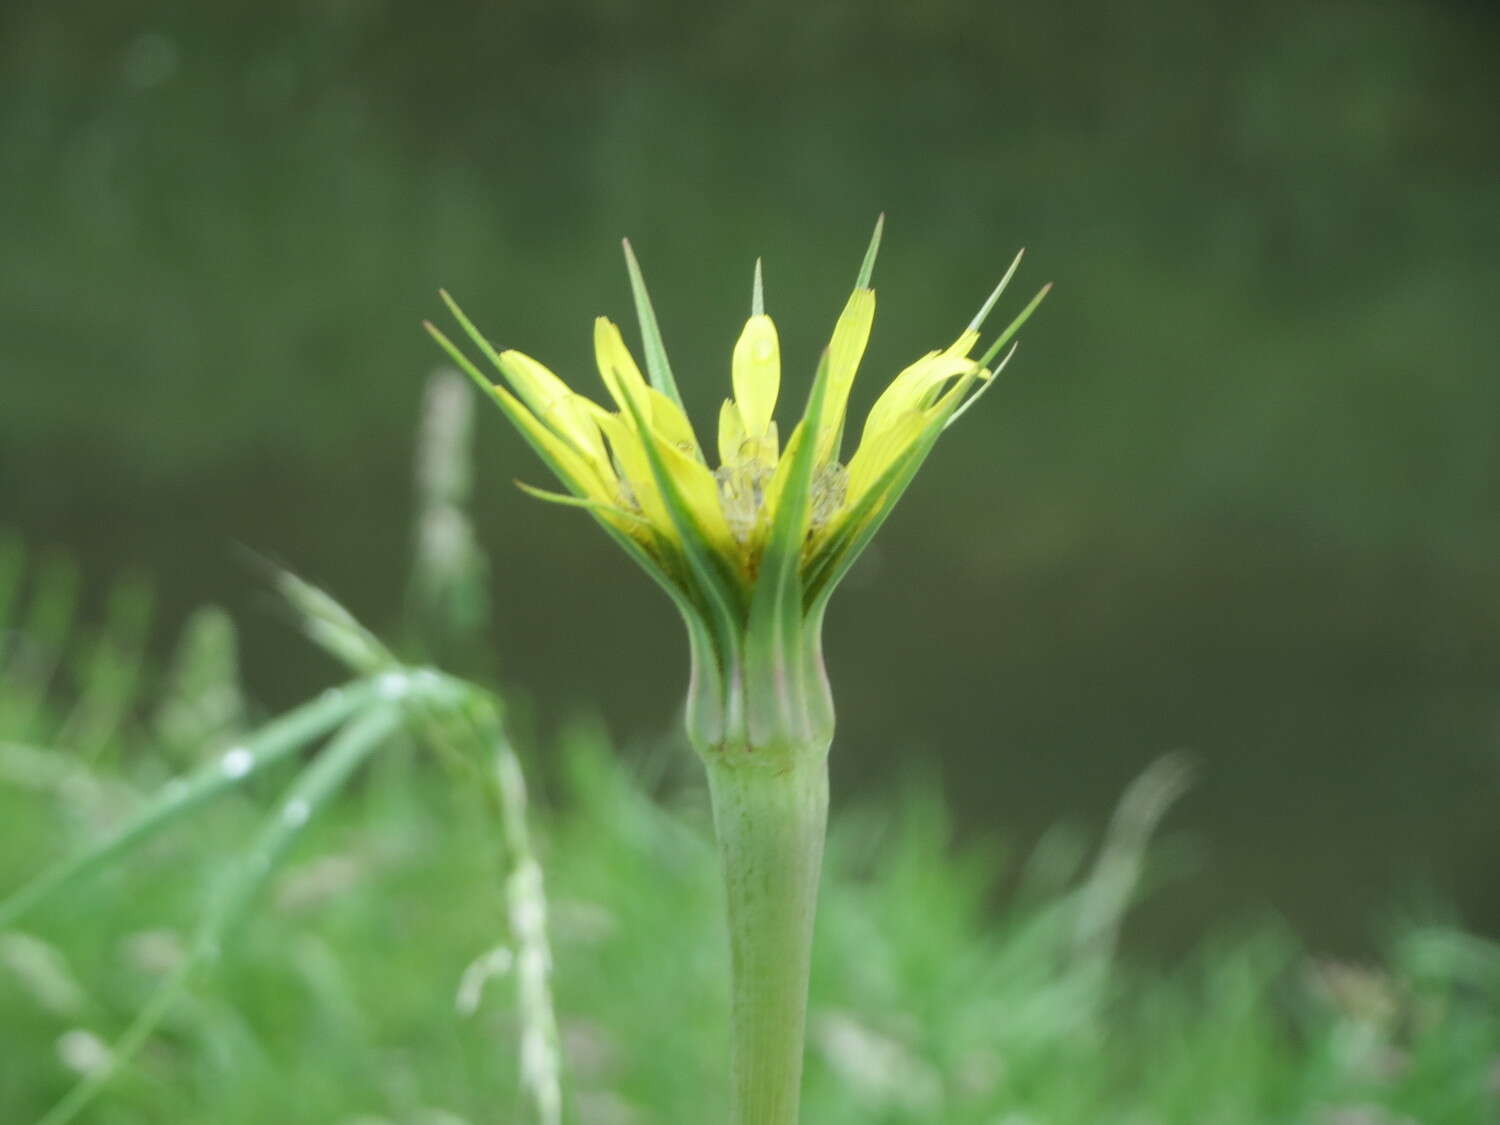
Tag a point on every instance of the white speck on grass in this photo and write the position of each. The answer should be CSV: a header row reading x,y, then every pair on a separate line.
x,y
296,812
236,763
82,1051
392,685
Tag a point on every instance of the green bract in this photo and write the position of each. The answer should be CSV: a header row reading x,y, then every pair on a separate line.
x,y
751,550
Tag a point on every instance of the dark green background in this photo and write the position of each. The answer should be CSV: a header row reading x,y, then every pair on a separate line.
x,y
1238,495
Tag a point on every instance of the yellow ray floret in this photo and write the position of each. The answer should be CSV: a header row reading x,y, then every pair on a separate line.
x,y
640,468
757,374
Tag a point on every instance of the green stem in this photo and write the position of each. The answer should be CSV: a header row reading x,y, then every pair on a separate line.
x,y
770,824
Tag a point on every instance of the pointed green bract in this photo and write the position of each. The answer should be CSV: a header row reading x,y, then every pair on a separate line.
x,y
773,643
984,385
471,331
645,561
1015,326
657,368
758,293
570,501
719,588
989,304
497,395
867,267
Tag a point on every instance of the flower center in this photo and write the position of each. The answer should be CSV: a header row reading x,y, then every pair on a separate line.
x,y
742,492
743,484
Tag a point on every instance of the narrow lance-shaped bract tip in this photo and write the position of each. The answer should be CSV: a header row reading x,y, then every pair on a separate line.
x,y
984,386
587,503
1015,326
478,338
657,367
984,310
758,293
867,267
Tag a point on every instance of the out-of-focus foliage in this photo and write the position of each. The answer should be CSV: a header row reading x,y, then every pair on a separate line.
x,y
336,1003
1239,497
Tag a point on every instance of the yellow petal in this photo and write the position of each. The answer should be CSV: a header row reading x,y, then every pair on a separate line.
x,y
573,418
552,401
700,494
731,432
669,422
878,450
694,480
635,469
767,447
616,365
963,345
537,387
578,472
914,389
845,350
757,373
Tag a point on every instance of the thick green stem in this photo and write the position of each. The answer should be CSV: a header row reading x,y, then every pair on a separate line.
x,y
770,820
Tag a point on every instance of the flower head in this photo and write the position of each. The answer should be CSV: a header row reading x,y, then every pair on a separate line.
x,y
749,548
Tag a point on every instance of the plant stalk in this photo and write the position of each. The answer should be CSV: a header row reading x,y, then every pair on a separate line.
x,y
770,824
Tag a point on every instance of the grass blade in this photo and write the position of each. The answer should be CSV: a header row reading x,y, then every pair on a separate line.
x,y
271,744
317,783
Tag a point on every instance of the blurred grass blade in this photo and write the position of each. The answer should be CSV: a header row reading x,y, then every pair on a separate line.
x,y
1106,895
111,672
448,600
312,789
526,912
201,706
272,743
44,629
332,627
12,567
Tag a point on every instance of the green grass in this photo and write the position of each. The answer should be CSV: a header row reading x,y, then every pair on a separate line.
x,y
335,1002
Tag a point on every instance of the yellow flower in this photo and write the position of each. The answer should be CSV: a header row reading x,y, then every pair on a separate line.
x,y
750,548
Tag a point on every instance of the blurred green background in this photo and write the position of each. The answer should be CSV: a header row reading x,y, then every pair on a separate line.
x,y
1237,495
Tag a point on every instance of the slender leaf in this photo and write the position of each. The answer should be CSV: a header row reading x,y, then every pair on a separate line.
x,y
271,744
312,790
